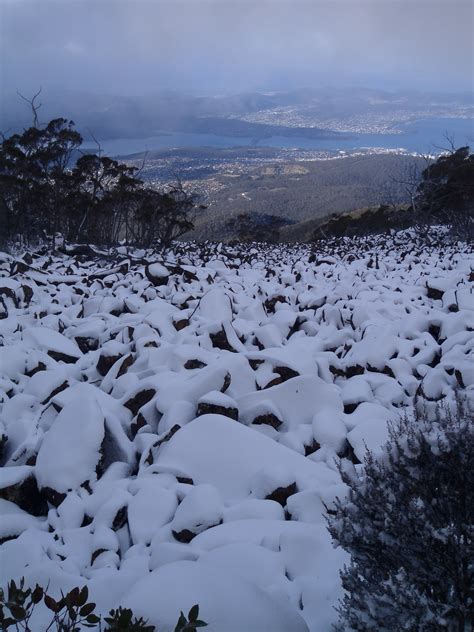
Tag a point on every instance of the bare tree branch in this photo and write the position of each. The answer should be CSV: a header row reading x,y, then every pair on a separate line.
x,y
34,107
99,148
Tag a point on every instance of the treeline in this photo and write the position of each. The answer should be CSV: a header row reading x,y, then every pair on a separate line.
x,y
442,194
46,193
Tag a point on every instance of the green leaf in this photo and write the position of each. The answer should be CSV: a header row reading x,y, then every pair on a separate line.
x,y
181,623
193,613
8,622
93,618
51,603
73,596
82,598
17,611
87,609
37,594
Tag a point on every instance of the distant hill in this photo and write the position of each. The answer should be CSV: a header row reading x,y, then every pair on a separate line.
x,y
304,192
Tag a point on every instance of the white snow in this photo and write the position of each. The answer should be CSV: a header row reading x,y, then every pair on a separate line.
x,y
226,600
160,509
70,451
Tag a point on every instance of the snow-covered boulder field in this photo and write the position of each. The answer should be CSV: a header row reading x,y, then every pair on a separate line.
x,y
171,426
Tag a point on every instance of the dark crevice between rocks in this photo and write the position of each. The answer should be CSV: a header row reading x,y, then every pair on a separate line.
x,y
347,452
56,391
62,357
314,446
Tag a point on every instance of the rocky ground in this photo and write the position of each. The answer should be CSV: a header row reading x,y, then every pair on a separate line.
x,y
171,426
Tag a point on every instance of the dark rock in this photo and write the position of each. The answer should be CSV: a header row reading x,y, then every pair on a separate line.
x,y
185,536
181,324
347,452
226,383
171,432
458,376
436,359
220,341
62,357
106,362
3,309
156,280
435,331
9,293
206,408
434,293
3,443
27,293
255,363
58,389
120,519
96,554
349,408
136,425
284,373
270,303
151,344
269,419
312,447
281,494
185,480
126,364
348,372
139,399
86,521
52,496
386,370
86,344
194,364
27,496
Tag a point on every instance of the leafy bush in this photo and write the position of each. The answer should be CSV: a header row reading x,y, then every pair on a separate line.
x,y
408,525
73,612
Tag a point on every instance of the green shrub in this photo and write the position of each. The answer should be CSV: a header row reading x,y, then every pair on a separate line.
x,y
73,612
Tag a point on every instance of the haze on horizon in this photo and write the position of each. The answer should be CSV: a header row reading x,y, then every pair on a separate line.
x,y
132,47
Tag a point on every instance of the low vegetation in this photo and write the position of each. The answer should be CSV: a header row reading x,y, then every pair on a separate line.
x,y
408,524
442,194
73,612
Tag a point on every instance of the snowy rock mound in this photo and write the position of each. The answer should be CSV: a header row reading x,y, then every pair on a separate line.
x,y
170,428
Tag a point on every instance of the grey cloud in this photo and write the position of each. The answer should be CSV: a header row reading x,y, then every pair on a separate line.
x,y
223,45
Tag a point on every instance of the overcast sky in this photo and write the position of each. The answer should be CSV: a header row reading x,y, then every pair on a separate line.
x,y
138,46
